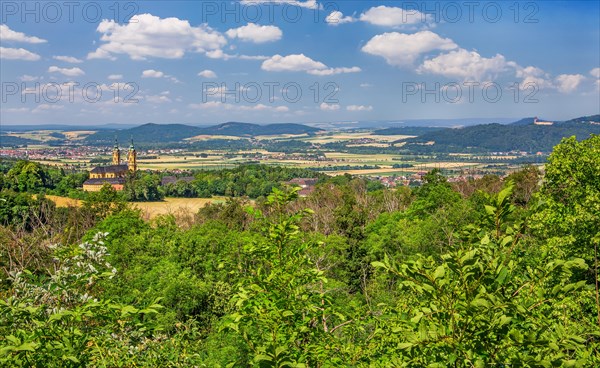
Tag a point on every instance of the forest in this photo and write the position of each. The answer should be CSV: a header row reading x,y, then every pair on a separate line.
x,y
480,273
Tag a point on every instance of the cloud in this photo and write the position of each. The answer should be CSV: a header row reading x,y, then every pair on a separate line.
x,y
567,83
208,74
366,85
7,34
147,35
394,17
151,73
29,78
69,72
302,63
216,105
402,49
333,71
291,63
251,57
329,107
115,76
595,73
67,59
17,54
533,76
337,17
359,108
255,33
16,109
46,107
219,54
310,4
464,64
157,99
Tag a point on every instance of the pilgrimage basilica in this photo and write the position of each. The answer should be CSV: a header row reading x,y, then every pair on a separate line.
x,y
113,174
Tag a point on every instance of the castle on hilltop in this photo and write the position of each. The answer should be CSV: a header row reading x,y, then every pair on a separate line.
x,y
113,174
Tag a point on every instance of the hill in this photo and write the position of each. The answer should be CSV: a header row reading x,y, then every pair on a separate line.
x,y
147,133
504,138
525,121
406,130
165,133
7,141
249,130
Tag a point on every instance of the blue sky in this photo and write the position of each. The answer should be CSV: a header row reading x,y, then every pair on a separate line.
x,y
296,61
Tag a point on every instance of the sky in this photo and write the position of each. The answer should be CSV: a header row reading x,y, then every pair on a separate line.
x,y
266,61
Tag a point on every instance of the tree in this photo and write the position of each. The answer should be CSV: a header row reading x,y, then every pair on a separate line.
x,y
281,309
484,305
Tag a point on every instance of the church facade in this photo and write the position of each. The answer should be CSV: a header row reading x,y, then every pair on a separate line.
x,y
114,174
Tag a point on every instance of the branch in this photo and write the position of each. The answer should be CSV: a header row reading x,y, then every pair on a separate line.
x,y
341,325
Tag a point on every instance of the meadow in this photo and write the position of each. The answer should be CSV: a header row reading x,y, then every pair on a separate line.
x,y
151,210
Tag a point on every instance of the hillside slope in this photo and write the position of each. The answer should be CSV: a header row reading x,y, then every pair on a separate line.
x,y
167,133
504,138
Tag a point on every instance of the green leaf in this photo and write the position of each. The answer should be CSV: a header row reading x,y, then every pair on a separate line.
x,y
440,271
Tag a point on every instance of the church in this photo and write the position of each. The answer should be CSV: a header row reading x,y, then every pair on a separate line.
x,y
113,174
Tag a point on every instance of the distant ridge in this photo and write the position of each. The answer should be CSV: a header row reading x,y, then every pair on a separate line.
x,y
164,133
519,136
250,130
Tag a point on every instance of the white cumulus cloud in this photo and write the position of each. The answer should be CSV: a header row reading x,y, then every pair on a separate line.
x,y
67,59
333,71
337,17
464,64
255,33
402,49
151,73
207,74
17,54
7,34
567,83
69,72
532,76
310,4
147,36
216,105
595,72
359,108
302,63
329,107
115,76
394,17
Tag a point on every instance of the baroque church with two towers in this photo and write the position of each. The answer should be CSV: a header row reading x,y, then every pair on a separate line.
x,y
114,174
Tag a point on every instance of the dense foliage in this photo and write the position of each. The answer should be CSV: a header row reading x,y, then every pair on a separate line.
x,y
483,273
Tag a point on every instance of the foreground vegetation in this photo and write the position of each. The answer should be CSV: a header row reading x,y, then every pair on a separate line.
x,y
482,273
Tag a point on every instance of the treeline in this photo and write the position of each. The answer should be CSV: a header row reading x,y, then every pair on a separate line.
x,y
486,272
500,138
252,181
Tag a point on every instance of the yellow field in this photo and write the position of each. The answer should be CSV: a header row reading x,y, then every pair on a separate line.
x,y
152,209
205,137
64,201
343,136
39,135
174,205
76,135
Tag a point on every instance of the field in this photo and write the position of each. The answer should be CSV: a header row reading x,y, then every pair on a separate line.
x,y
174,205
153,209
335,162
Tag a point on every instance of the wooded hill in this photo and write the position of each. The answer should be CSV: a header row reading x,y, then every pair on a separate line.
x,y
519,136
165,133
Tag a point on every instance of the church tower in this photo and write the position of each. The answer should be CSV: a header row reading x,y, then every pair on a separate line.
x,y
116,158
131,158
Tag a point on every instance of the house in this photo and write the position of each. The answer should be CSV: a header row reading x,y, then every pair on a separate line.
x,y
307,185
